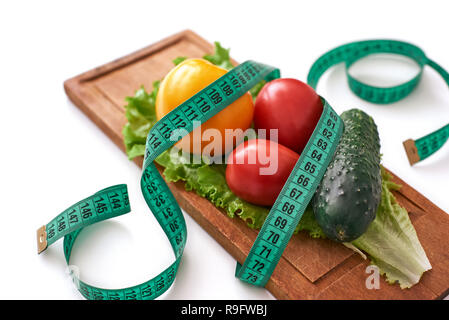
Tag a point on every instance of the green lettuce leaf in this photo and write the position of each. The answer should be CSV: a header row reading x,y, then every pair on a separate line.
x,y
391,241
178,60
141,115
209,181
220,57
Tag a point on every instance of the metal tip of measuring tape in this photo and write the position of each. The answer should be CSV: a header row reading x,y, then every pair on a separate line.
x,y
41,239
411,151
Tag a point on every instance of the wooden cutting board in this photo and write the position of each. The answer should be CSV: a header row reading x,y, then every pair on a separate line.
x,y
309,268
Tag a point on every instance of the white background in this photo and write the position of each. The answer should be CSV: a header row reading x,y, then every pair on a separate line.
x,y
52,155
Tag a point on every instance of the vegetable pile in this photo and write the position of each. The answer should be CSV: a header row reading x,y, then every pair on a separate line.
x,y
354,183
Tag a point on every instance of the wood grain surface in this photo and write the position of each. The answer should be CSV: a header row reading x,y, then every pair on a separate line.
x,y
309,268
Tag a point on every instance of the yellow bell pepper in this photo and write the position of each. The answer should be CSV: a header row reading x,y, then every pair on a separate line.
x,y
181,83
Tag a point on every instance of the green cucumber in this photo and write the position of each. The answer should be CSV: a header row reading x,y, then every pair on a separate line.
x,y
346,201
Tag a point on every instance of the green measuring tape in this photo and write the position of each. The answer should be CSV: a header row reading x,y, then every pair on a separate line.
x,y
280,223
416,150
293,199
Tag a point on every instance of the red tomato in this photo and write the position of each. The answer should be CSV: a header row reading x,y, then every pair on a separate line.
x,y
292,107
258,169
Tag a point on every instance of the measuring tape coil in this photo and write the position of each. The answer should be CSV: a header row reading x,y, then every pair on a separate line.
x,y
416,150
